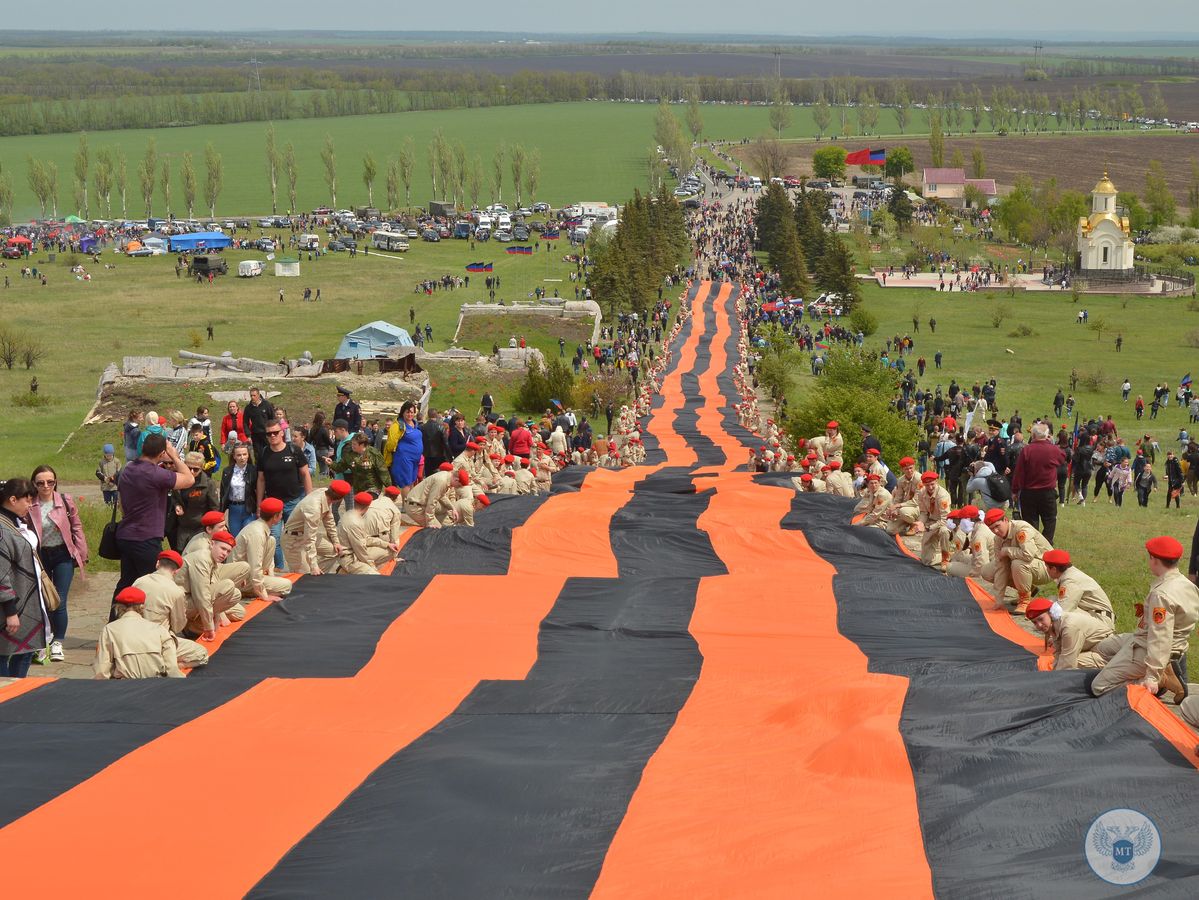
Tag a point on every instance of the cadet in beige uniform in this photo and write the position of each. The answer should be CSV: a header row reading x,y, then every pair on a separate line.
x,y
421,504
256,548
877,499
933,503
201,541
1072,635
131,647
166,605
362,553
212,601
1018,560
838,482
1076,589
904,511
1165,621
383,516
461,511
310,542
526,482
977,559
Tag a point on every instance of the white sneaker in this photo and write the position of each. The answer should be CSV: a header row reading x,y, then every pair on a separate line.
x,y
56,654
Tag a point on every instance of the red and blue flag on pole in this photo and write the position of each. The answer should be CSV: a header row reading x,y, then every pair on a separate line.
x,y
526,251
478,267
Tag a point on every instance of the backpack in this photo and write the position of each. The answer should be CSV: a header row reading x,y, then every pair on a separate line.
x,y
999,487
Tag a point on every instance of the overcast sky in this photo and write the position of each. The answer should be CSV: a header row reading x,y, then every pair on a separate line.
x,y
1052,20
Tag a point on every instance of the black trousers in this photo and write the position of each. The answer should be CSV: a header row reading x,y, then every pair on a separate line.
x,y
138,558
1039,509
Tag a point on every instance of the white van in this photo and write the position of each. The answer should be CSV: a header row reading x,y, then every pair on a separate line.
x,y
504,222
249,268
309,242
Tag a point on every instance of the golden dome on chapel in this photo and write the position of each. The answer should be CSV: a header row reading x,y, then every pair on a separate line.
x,y
1104,186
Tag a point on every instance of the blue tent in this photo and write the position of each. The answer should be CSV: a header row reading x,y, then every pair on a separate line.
x,y
201,240
372,340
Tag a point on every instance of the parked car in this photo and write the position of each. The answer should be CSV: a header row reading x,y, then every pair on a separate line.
x,y
520,233
140,251
503,235
266,245
523,211
349,243
15,253
443,231
541,207
413,233
335,246
431,236
266,223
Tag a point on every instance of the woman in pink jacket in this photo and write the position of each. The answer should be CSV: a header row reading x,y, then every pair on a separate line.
x,y
62,547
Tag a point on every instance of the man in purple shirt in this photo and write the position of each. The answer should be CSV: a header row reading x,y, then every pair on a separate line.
x,y
143,489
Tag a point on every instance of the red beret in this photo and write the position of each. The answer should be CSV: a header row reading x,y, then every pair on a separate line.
x,y
803,442
1164,548
833,424
172,557
471,445
532,469
928,477
834,463
790,457
509,458
805,477
992,516
969,511
391,491
907,461
484,500
271,506
874,451
445,467
463,477
873,477
811,455
339,487
363,498
1038,606
954,514
212,517
224,537
131,596
1059,558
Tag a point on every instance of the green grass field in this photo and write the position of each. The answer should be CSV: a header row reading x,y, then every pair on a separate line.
x,y
141,308
1104,541
589,151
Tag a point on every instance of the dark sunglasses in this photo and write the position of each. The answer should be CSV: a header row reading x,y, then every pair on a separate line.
x,y
45,483
276,431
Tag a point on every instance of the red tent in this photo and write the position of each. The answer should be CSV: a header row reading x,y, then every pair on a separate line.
x,y
19,239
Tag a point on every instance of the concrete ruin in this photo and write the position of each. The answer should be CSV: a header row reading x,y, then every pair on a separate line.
x,y
561,309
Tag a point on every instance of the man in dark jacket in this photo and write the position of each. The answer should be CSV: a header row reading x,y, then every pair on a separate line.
x,y
347,409
257,415
436,443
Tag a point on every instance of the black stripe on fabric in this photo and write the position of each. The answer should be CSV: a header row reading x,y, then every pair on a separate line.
x,y
1011,765
62,734
520,791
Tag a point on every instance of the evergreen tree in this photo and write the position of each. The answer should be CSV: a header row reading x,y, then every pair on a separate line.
x,y
773,208
834,271
788,260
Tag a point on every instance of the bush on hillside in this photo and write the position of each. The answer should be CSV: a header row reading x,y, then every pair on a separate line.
x,y
863,320
855,390
541,386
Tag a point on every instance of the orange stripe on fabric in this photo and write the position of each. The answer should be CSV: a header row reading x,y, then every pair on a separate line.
x,y
19,686
710,420
678,452
1173,729
785,774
